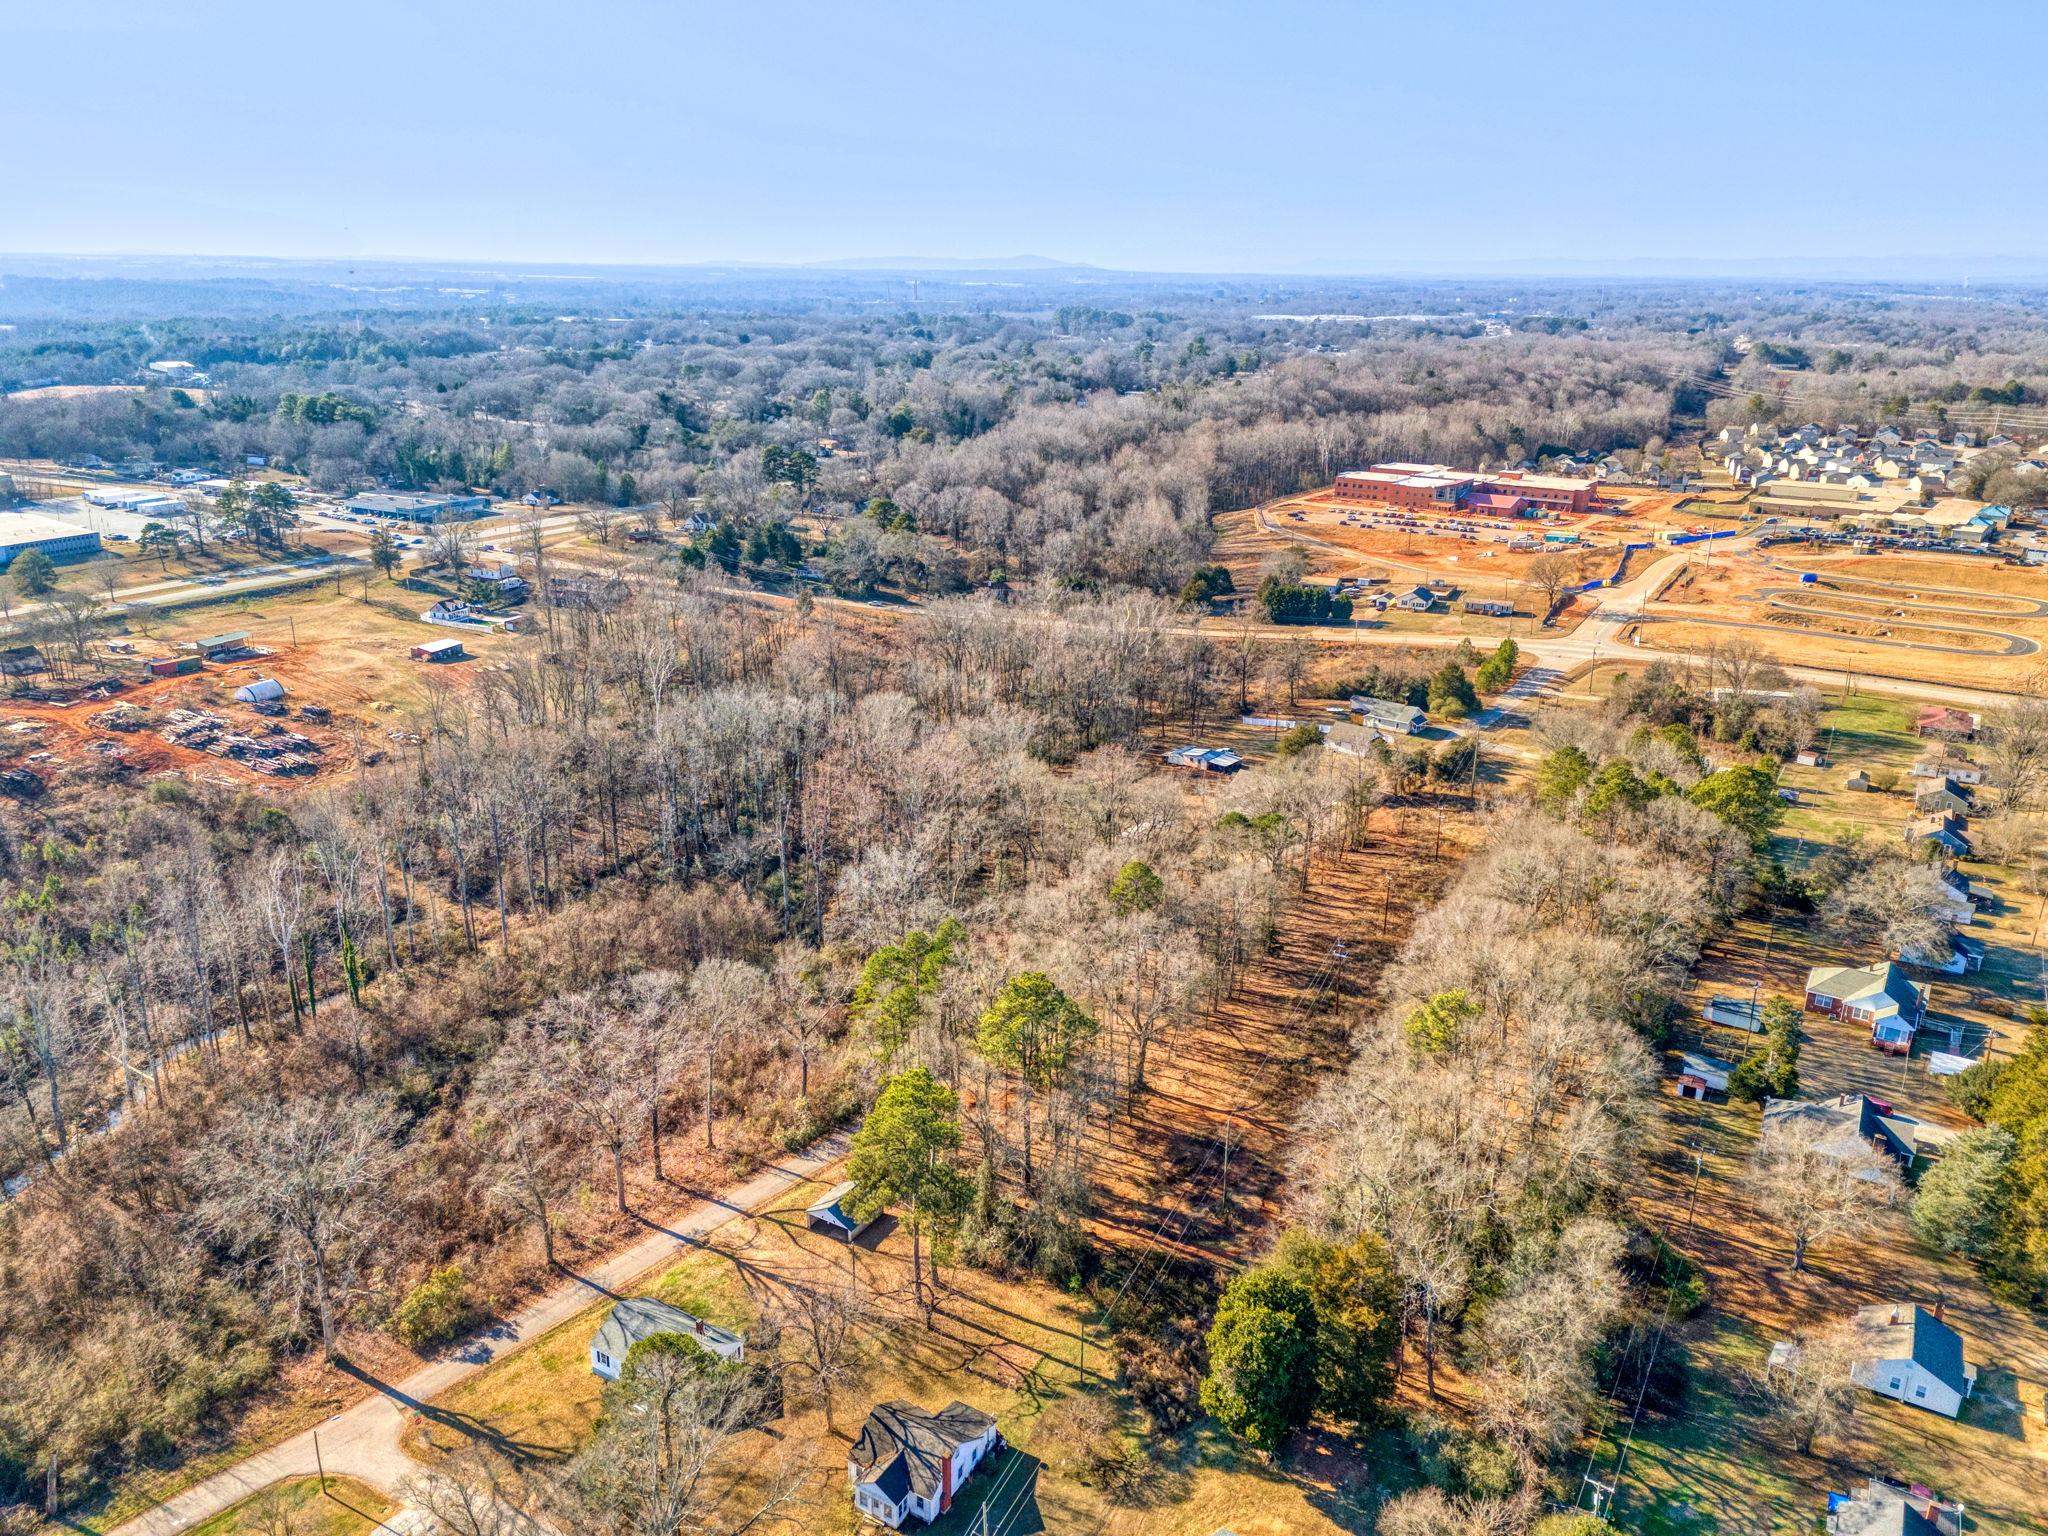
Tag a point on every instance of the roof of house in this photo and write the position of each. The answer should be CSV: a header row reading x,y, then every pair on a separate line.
x,y
641,1317
903,1450
1855,1120
1945,718
1884,1513
1898,1331
1702,1066
1865,985
1193,756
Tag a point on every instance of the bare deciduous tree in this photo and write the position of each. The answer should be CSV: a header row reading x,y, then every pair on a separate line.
x,y
1813,1181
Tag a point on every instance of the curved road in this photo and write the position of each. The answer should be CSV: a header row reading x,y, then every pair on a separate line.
x,y
2035,609
1776,597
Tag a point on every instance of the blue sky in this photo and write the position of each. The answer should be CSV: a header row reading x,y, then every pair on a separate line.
x,y
1270,135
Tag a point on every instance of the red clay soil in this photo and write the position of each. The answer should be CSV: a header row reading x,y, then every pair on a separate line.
x,y
1243,1070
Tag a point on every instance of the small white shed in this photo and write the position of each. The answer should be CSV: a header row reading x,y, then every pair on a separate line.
x,y
262,691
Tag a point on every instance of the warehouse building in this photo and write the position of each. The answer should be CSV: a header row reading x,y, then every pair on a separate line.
x,y
418,509
22,531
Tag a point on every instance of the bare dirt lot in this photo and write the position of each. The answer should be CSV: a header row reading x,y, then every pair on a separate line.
x,y
1939,620
339,654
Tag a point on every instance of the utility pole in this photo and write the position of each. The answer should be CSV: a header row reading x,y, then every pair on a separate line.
x,y
318,1463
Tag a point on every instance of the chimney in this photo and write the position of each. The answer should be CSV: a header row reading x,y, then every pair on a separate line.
x,y
946,1483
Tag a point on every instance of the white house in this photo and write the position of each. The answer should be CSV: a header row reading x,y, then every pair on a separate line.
x,y
642,1317
908,1463
1388,714
1909,1353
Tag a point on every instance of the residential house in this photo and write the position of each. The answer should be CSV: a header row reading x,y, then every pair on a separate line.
x,y
1205,759
1388,714
1907,1352
1946,724
907,1463
1885,1509
1945,831
1956,955
1880,997
1941,797
1355,740
1945,763
638,1318
1962,898
1852,1121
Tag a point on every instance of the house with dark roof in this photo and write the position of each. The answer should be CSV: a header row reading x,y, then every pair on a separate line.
x,y
1881,997
1907,1352
637,1318
908,1463
1885,1509
1850,1122
1945,831
1942,797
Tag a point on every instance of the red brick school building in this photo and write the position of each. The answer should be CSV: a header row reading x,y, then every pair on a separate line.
x,y
1435,488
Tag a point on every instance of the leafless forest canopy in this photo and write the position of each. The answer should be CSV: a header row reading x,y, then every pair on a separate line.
x,y
268,1065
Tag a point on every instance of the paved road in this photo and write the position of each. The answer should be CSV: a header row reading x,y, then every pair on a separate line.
x,y
362,1441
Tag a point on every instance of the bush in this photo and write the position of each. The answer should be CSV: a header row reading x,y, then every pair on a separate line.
x,y
1970,1090
1459,1462
1165,1377
435,1310
1297,741
1288,602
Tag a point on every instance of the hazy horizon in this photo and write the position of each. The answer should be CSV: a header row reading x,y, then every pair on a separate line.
x,y
1304,138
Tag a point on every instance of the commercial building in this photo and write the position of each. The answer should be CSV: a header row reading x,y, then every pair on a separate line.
x,y
1438,488
23,531
418,509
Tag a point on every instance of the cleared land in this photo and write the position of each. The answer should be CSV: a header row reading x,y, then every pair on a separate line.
x,y
1943,620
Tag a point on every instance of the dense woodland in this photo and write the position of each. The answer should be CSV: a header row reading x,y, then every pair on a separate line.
x,y
1084,431
689,879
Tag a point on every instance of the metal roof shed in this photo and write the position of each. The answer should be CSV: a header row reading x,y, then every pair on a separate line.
x,y
261,691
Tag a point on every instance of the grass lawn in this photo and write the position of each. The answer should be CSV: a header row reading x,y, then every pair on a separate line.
x,y
348,1508
541,1401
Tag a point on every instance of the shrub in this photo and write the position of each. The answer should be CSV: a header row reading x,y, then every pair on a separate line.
x,y
435,1310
